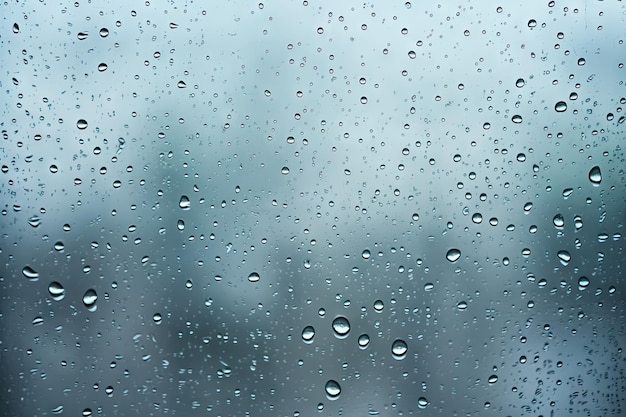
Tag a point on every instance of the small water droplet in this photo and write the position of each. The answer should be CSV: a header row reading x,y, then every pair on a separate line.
x,y
528,206
558,221
595,176
181,84
30,273
57,410
333,389
102,67
429,286
16,29
267,93
560,106
89,299
82,36
582,61
493,379
104,32
56,290
308,333
366,254
517,119
578,222
81,124
520,83
567,192
184,202
399,349
364,341
477,218
453,255
564,256
253,277
341,327
180,224
379,305
284,170
157,318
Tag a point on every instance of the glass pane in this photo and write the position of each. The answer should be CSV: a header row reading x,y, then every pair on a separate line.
x,y
312,208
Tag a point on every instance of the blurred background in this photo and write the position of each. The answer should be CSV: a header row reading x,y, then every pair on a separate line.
x,y
312,208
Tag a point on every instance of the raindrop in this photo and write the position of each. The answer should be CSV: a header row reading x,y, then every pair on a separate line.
x,y
82,36
364,341
429,286
333,389
89,299
184,202
462,305
104,32
366,254
493,379
57,410
308,333
517,119
521,157
558,221
81,124
56,290
560,107
30,273
157,318
284,170
453,255
422,402
520,83
341,327
399,349
16,29
595,176
379,305
34,221
253,277
564,256
181,84
180,224
581,61
578,222
567,192
583,282
102,67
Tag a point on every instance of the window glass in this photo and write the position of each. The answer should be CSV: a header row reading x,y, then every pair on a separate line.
x,y
312,208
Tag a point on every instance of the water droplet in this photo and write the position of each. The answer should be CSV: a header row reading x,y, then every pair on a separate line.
x,y
493,379
157,318
184,202
583,282
520,83
429,286
521,157
567,192
57,410
81,124
462,306
102,67
56,290
333,389
181,84
30,273
558,221
189,283
308,333
89,299
363,100
82,36
595,176
517,119
180,224
578,222
581,61
253,277
284,170
379,305
477,218
16,28
34,221
366,254
453,255
364,341
560,106
486,125
399,349
341,327
104,32
422,402
564,256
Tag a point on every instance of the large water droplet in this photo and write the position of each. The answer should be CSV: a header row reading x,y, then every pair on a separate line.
x,y
462,305
558,221
157,318
453,255
583,282
422,402
254,277
104,32
34,221
379,305
308,333
30,273
366,254
517,119
89,299
578,222
56,290
81,124
333,389
477,218
520,83
341,327
493,379
102,67
560,107
364,341
564,256
184,202
595,176
399,349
